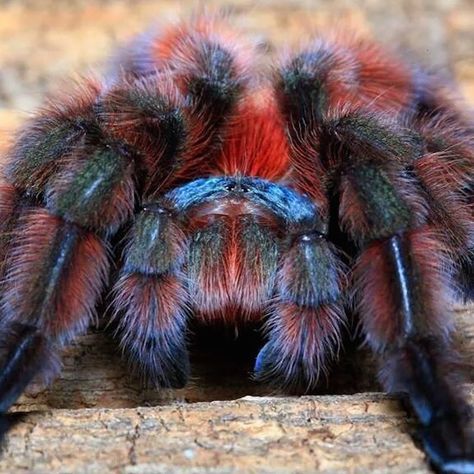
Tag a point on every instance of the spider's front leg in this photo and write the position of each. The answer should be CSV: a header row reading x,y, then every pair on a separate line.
x,y
402,277
403,270
186,82
307,315
150,298
72,188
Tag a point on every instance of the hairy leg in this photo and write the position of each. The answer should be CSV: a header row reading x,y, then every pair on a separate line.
x,y
311,87
403,286
180,89
71,187
150,298
344,149
306,318
208,64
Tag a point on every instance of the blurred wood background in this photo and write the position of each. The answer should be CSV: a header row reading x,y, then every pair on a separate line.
x,y
93,423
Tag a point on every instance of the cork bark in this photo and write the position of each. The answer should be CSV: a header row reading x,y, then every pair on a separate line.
x,y
332,434
96,417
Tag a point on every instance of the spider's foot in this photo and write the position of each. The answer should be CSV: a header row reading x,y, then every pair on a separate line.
x,y
303,338
450,445
281,370
265,363
176,372
164,369
7,422
466,280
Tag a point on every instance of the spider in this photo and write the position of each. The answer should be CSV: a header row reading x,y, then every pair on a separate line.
x,y
193,183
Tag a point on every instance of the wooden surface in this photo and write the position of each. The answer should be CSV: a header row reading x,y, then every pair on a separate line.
x,y
97,417
365,433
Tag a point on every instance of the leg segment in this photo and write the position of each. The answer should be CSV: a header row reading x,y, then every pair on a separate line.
x,y
25,352
304,326
446,174
48,138
150,299
403,303
54,275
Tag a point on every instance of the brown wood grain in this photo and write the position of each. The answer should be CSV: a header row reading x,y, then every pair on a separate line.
x,y
364,433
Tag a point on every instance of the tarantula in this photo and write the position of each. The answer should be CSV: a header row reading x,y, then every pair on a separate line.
x,y
342,181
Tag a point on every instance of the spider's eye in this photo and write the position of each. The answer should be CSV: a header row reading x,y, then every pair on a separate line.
x,y
315,235
230,186
155,208
237,187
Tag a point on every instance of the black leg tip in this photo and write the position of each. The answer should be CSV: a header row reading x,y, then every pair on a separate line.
x,y
175,376
165,370
282,371
268,368
7,422
449,444
160,362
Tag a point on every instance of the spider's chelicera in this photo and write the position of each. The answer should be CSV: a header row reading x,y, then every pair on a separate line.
x,y
342,180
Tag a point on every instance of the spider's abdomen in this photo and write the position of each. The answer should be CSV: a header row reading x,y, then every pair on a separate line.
x,y
255,142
